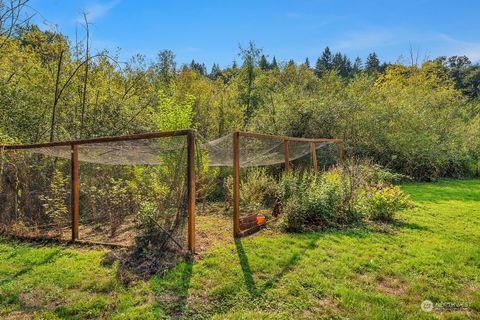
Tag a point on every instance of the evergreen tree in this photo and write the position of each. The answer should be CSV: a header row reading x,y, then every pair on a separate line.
x,y
346,70
216,72
324,63
307,63
263,64
342,65
166,65
274,64
198,67
372,64
337,62
357,65
251,56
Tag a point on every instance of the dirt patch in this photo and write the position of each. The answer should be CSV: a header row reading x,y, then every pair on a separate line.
x,y
19,315
386,284
391,285
212,230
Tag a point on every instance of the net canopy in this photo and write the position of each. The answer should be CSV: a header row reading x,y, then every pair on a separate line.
x,y
133,187
254,151
130,152
126,189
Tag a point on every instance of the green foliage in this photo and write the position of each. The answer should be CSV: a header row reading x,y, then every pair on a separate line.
x,y
422,121
374,174
340,197
173,115
316,202
258,190
109,202
382,203
54,202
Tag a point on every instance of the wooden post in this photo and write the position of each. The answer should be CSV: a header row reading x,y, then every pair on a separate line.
x,y
191,190
340,152
287,159
236,184
314,158
75,192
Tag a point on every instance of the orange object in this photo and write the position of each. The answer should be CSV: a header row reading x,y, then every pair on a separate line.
x,y
260,220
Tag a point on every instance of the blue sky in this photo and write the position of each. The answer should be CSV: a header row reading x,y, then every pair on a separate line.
x,y
211,30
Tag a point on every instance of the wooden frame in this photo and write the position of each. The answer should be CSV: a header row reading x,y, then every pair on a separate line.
x,y
190,134
236,165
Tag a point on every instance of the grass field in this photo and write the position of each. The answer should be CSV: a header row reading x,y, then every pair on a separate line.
x,y
375,272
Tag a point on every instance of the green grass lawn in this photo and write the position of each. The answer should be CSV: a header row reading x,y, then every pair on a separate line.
x,y
432,253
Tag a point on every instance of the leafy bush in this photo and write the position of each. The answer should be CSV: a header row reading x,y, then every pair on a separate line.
x,y
55,203
376,174
109,202
381,203
340,197
257,189
316,202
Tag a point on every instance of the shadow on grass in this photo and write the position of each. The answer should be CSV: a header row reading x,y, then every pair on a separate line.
x,y
250,284
410,225
171,290
180,305
49,258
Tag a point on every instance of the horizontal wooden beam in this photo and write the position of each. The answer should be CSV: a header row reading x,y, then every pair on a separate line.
x,y
285,138
140,136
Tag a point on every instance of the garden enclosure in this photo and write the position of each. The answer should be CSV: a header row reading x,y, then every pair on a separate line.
x,y
86,185
248,149
110,179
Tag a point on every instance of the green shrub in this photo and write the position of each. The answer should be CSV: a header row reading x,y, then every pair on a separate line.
x,y
376,174
381,203
258,190
55,203
340,197
316,202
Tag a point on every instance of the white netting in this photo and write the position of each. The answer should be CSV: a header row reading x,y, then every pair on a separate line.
x,y
132,152
30,203
124,187
254,151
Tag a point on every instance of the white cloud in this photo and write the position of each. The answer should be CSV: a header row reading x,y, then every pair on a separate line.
x,y
460,47
97,10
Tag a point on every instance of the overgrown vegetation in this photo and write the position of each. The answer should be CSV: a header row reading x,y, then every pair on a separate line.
x,y
337,198
420,120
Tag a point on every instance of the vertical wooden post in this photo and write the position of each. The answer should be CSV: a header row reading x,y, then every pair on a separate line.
x,y
191,190
287,159
236,184
340,152
314,158
74,192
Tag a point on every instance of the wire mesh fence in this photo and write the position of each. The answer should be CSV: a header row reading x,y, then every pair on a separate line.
x,y
34,195
141,189
129,191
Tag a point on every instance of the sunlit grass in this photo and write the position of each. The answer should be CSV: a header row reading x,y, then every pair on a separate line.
x,y
382,273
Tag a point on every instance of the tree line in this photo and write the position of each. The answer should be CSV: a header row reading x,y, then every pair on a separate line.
x,y
421,119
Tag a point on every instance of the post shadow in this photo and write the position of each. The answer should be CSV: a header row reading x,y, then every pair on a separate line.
x,y
247,272
252,288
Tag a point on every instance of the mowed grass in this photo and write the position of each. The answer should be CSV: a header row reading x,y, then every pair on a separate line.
x,y
381,272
